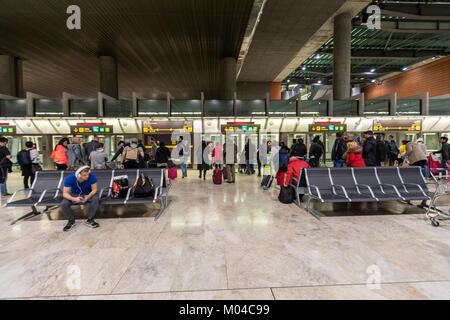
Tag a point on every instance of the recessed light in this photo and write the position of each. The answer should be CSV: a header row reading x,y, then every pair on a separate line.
x,y
318,56
373,70
304,68
405,68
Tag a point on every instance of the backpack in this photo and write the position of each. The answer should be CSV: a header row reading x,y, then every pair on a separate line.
x,y
287,195
143,187
381,151
120,187
132,154
23,158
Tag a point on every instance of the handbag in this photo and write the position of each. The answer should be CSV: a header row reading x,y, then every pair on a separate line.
x,y
286,195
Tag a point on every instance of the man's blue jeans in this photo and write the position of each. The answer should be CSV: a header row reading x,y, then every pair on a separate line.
x,y
444,166
339,163
183,165
3,190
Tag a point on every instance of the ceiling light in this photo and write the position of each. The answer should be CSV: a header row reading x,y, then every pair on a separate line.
x,y
319,82
304,68
373,70
434,58
405,68
288,81
373,81
318,56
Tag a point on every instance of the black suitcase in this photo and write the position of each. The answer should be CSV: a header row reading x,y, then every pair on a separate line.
x,y
266,182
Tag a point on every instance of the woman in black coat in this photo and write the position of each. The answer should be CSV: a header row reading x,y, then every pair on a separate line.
x,y
203,166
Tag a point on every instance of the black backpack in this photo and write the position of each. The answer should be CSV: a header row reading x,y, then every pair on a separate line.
x,y
381,151
144,187
287,195
24,158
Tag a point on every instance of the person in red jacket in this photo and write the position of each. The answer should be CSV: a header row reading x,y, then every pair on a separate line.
x,y
355,158
294,170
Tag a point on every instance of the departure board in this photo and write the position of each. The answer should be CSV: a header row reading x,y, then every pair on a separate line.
x,y
397,125
327,127
91,129
7,129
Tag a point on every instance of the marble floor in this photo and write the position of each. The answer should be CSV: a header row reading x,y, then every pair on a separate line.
x,y
233,241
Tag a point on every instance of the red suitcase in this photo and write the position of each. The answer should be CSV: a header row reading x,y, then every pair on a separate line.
x,y
217,176
172,173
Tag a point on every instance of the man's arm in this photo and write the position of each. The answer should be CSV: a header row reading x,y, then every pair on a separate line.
x,y
118,153
68,196
94,188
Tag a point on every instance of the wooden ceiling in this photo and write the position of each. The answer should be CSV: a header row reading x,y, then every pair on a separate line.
x,y
160,45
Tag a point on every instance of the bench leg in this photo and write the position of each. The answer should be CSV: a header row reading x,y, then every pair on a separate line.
x,y
297,201
33,213
163,206
310,210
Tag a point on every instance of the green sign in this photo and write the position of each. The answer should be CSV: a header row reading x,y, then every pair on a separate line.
x,y
8,129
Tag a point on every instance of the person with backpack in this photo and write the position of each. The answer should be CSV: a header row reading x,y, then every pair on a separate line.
x,y
369,152
59,154
98,157
74,154
131,154
298,149
89,147
445,152
381,150
339,148
162,155
315,153
26,164
392,150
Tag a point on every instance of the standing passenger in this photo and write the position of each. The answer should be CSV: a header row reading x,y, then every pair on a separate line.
x,y
381,150
369,152
59,154
392,150
355,158
315,152
26,164
131,154
74,154
415,154
5,164
445,152
339,149
98,157
90,147
162,155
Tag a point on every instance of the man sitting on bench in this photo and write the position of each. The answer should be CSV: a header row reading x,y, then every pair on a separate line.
x,y
80,188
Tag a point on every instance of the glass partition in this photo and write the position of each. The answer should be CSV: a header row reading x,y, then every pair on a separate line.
x,y
219,108
376,107
186,108
408,107
83,108
251,107
13,108
152,108
439,107
283,108
345,108
118,108
48,108
314,108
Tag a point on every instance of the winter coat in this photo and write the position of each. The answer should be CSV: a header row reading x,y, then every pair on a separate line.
x,y
98,159
445,151
162,155
414,152
59,155
295,167
339,148
369,152
283,159
392,150
74,155
355,158
298,150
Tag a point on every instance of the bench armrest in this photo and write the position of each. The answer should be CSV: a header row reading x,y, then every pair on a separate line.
x,y
340,186
415,185
103,190
317,190
15,193
45,192
368,188
392,186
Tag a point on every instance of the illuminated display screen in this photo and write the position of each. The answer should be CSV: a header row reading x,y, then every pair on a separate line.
x,y
85,129
327,127
397,125
7,130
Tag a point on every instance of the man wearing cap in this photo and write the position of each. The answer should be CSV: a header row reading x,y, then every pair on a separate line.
x,y
80,188
131,154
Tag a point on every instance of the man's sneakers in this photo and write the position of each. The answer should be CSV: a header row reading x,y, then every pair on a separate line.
x,y
91,223
69,225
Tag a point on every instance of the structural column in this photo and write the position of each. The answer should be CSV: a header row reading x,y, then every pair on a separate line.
x,y
227,78
109,84
11,76
342,56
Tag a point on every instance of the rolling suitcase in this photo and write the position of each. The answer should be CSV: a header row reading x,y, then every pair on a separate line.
x,y
266,182
172,173
217,176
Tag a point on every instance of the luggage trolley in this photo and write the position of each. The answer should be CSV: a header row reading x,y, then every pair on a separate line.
x,y
442,183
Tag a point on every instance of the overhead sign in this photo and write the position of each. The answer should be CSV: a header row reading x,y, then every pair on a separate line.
x,y
7,129
240,128
397,125
321,127
162,127
91,129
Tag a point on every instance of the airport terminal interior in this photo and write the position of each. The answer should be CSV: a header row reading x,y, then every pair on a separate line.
x,y
102,199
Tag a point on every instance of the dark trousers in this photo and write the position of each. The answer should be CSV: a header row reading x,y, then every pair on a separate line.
x,y
25,181
421,163
67,204
61,166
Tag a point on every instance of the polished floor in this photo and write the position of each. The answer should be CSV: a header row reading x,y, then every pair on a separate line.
x,y
233,241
